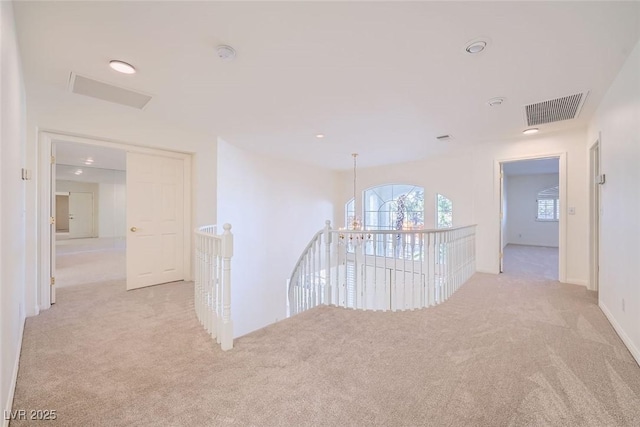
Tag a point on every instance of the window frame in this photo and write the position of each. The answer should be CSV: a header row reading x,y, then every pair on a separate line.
x,y
546,195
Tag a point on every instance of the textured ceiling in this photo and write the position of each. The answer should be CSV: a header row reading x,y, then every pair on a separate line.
x,y
382,79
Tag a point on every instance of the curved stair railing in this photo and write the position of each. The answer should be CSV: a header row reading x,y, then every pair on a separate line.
x,y
212,288
382,269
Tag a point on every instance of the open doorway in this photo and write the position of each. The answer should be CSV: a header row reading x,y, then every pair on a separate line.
x,y
156,205
90,214
531,211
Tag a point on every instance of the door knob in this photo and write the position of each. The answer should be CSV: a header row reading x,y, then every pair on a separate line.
x,y
134,229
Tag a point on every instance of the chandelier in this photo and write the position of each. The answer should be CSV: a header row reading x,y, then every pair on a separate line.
x,y
354,222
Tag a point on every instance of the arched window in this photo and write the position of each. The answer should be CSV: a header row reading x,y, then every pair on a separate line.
x,y
444,211
349,211
394,207
548,204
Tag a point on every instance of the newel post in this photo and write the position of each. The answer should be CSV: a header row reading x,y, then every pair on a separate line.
x,y
327,260
226,340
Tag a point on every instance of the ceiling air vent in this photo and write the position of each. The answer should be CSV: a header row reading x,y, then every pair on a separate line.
x,y
107,92
444,137
555,110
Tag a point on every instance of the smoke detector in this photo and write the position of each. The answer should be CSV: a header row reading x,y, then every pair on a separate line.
x,y
226,53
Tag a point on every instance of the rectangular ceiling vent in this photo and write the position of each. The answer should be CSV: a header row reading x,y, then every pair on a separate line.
x,y
555,110
107,92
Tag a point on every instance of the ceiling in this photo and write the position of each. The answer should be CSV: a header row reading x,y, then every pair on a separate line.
x,y
75,154
382,79
532,167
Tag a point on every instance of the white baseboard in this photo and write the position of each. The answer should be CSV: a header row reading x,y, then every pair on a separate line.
x,y
14,378
580,282
635,352
487,272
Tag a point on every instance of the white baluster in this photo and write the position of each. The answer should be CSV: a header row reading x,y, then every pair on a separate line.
x,y
227,252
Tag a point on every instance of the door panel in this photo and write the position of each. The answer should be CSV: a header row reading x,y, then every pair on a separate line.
x,y
155,215
80,215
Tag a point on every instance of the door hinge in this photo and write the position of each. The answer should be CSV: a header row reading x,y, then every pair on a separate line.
x,y
53,160
501,255
53,281
52,220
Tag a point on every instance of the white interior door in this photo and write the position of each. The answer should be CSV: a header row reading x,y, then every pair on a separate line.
x,y
155,220
80,215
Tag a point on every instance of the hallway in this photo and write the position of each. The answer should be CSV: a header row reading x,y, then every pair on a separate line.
x,y
504,350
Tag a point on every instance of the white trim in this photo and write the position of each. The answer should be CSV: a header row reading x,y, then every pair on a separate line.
x,y
635,352
595,204
580,282
46,138
14,377
562,241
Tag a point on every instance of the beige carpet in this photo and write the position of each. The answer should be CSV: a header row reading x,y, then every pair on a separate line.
x,y
503,351
531,261
83,261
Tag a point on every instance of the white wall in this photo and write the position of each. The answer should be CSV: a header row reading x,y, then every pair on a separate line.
x,y
618,121
84,187
12,202
522,227
275,207
113,207
471,180
505,212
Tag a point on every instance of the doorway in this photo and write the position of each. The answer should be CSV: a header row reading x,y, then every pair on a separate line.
x,y
91,179
90,189
531,214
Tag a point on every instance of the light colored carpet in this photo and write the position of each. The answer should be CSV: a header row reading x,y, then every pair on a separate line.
x,y
534,262
83,261
503,351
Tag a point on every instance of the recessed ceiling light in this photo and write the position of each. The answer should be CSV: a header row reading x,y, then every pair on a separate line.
x,y
320,135
476,46
530,131
88,161
78,172
494,102
122,67
226,53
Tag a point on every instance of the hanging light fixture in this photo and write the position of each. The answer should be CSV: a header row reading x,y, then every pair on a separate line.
x,y
355,222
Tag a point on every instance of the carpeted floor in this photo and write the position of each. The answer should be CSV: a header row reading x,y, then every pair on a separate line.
x,y
531,261
93,260
503,351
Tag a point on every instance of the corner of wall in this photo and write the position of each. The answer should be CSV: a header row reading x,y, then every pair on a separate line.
x,y
8,405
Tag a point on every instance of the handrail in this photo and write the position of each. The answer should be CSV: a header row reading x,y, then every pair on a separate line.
x,y
381,269
212,285
304,253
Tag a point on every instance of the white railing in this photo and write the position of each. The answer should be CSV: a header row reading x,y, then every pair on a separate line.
x,y
382,269
212,296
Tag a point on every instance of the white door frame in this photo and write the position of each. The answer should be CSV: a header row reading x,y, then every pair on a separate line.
x,y
562,241
46,187
594,215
